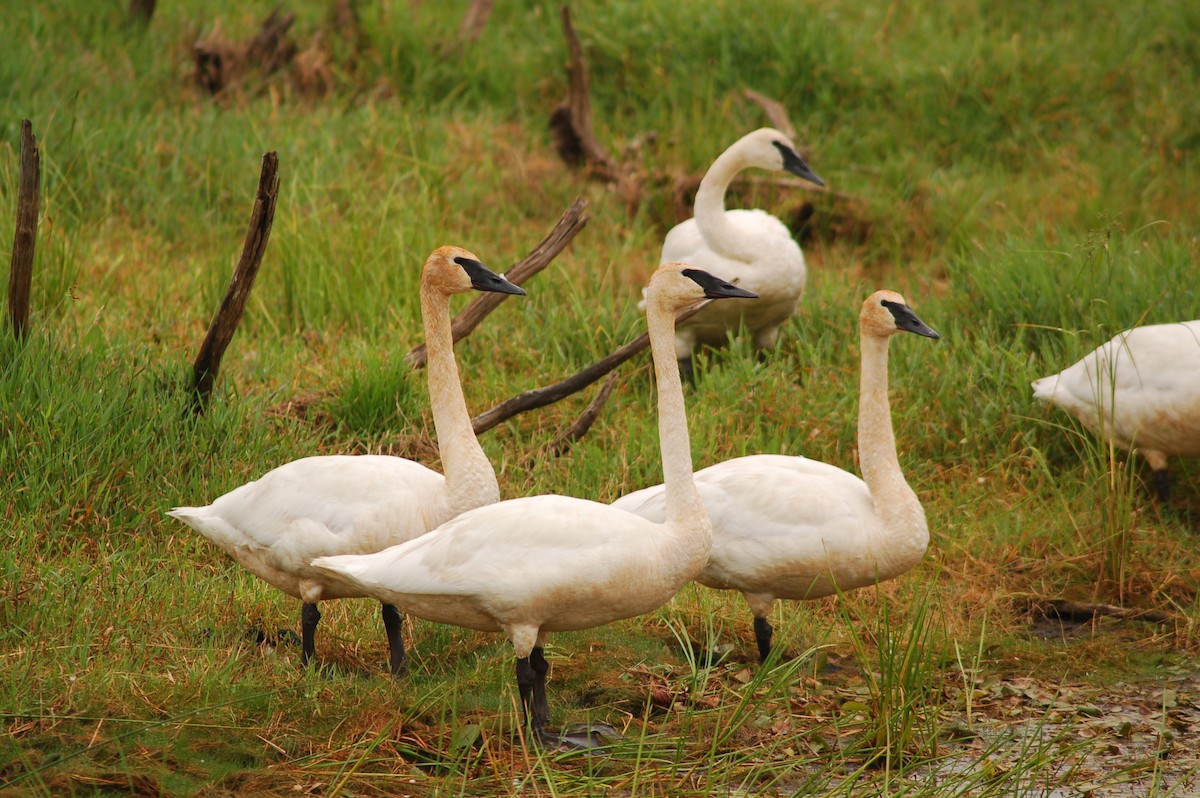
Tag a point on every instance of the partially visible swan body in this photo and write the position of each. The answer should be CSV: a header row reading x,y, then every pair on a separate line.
x,y
1140,391
543,564
336,504
748,247
793,528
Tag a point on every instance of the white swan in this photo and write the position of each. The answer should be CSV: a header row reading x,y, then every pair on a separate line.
x,y
1139,391
544,564
749,247
793,528
277,524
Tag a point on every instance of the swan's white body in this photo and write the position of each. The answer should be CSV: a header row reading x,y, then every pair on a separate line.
x,y
750,248
1140,390
793,528
544,564
316,506
334,504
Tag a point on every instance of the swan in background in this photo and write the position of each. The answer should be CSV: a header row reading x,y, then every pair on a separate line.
x,y
1139,391
793,528
748,247
338,504
543,564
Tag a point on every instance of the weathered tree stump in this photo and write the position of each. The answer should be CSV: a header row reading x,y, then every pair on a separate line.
x,y
20,278
229,315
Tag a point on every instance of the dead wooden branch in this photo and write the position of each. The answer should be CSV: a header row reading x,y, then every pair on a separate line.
x,y
1074,611
775,112
20,277
475,20
272,47
569,224
564,440
221,63
547,395
224,324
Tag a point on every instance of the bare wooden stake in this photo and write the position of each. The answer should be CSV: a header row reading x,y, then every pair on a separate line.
x,y
569,224
224,324
549,394
20,277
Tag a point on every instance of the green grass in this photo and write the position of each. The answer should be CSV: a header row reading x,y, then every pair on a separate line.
x,y
1025,175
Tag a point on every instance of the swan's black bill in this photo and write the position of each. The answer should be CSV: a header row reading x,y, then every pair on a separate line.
x,y
716,288
796,165
484,279
907,320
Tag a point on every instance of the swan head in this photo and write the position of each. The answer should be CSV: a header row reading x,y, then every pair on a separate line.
x,y
767,148
885,313
454,270
675,286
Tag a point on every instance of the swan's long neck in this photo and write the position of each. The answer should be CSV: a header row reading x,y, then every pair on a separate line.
x,y
684,508
905,533
718,232
470,478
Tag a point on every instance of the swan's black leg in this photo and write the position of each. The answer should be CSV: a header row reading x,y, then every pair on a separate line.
x,y
531,682
540,706
1162,485
762,636
525,681
393,624
310,616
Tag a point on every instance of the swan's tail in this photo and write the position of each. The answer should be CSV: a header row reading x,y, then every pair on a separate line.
x,y
212,526
354,569
1043,389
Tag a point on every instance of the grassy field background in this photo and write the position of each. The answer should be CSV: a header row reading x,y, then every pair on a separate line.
x,y
1025,174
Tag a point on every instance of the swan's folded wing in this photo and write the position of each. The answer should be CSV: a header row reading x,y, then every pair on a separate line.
x,y
324,505
548,562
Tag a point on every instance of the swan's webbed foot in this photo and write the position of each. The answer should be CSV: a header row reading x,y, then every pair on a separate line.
x,y
586,736
393,624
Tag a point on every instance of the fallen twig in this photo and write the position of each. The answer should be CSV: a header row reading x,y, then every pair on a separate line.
x,y
569,224
775,112
549,394
579,427
1075,611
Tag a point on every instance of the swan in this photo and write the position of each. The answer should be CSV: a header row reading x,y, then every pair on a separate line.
x,y
1139,391
543,564
275,525
792,528
748,247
